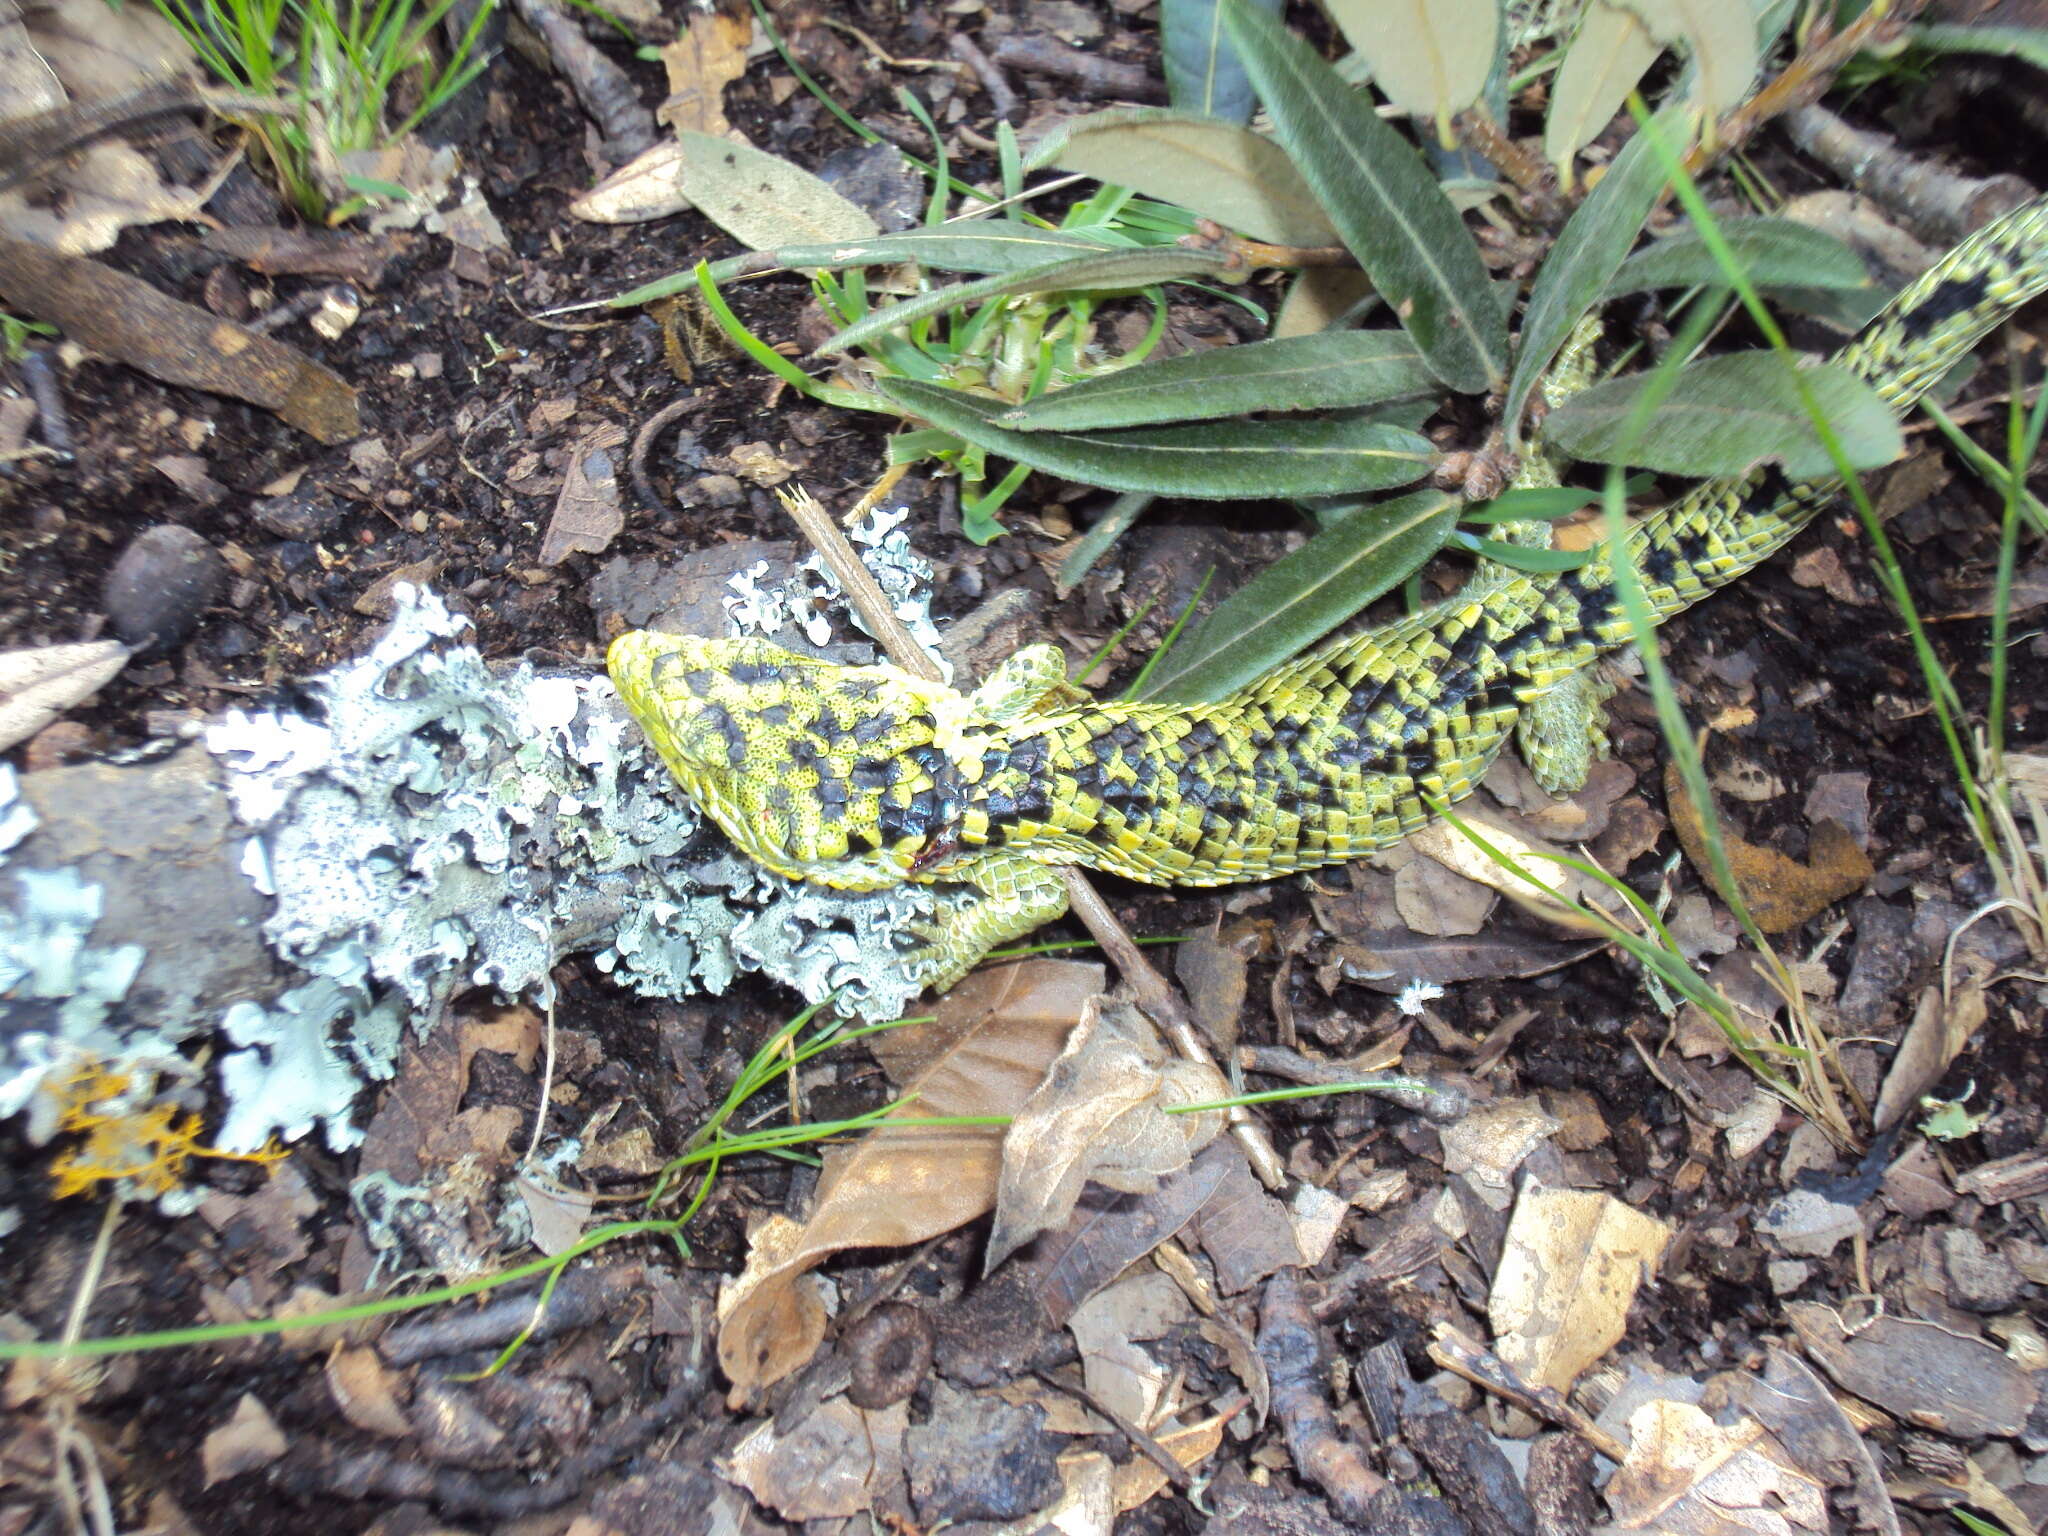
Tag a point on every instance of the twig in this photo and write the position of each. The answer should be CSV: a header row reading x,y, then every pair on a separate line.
x,y
1291,1347
1940,202
1155,997
1164,1459
643,444
1094,76
1002,100
1458,1354
584,1296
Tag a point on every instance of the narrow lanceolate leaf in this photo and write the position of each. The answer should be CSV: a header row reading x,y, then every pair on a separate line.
x,y
1383,201
1299,373
1720,37
1727,415
1087,272
1221,170
1203,72
1223,461
1607,58
1586,254
975,245
1776,253
1301,597
1431,57
762,200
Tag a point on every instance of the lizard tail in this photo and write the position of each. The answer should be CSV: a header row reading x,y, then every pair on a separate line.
x,y
1725,527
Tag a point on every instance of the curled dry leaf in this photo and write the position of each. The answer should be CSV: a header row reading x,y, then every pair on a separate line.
x,y
649,186
1689,1476
996,1035
36,686
835,1462
1102,1113
1570,1269
1780,892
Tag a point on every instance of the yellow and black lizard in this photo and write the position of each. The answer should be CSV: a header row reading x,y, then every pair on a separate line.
x,y
862,778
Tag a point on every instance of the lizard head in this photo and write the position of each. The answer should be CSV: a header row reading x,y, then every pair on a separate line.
x,y
827,773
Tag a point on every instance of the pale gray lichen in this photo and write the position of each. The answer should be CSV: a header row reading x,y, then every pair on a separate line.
x,y
426,824
813,594
432,825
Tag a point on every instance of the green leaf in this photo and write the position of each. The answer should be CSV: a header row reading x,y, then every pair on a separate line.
x,y
1235,460
2027,43
1203,71
1524,557
1606,59
973,245
1299,373
1220,170
762,200
1390,211
1089,272
1776,253
1301,597
1430,57
1590,248
1720,37
1536,504
1727,415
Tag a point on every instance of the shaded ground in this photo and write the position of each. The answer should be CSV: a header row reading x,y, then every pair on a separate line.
x,y
474,407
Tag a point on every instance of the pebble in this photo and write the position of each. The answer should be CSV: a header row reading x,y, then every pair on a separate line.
x,y
161,584
297,516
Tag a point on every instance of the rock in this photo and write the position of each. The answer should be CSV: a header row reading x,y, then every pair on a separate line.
x,y
161,584
297,516
1978,1279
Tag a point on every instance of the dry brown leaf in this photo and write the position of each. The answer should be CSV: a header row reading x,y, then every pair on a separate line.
x,y
1102,1113
366,1391
1781,893
1920,1371
834,1463
558,1212
588,513
1141,1478
710,55
1940,1029
1688,1476
250,1439
1107,1327
995,1036
1447,845
1488,1145
1570,1268
649,186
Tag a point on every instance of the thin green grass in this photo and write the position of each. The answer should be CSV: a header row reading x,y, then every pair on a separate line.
x,y
339,64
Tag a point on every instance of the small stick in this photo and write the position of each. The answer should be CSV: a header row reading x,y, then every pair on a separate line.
x,y
1002,100
1096,77
1458,1354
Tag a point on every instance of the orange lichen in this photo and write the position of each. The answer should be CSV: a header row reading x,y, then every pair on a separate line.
x,y
149,1142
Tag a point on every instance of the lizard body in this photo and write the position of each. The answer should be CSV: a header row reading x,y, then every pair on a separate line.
x,y
862,778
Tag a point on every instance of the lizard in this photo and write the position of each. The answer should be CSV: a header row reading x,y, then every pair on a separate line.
x,y
865,778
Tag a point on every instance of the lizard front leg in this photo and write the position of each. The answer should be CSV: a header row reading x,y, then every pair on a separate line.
x,y
1003,896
